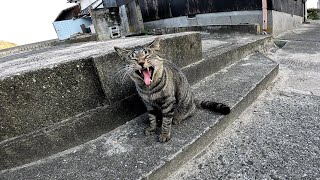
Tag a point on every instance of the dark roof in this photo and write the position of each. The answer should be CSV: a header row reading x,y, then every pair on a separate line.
x,y
69,13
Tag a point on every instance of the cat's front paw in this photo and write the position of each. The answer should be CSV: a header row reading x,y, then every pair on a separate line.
x,y
176,121
164,138
149,131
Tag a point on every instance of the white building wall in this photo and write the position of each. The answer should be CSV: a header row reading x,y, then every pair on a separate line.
x,y
65,29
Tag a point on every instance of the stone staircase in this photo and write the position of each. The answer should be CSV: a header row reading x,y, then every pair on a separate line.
x,y
65,116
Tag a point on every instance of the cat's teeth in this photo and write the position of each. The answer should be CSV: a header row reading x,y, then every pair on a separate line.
x,y
148,69
140,71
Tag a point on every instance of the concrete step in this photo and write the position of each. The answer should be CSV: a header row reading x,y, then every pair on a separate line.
x,y
220,52
68,133
126,153
23,50
28,47
38,141
54,100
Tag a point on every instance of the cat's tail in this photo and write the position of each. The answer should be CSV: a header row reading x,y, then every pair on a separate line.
x,y
213,106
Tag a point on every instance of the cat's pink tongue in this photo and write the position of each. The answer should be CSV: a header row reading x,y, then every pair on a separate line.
x,y
147,77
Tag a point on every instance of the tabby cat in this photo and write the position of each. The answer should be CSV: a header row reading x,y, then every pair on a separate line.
x,y
163,88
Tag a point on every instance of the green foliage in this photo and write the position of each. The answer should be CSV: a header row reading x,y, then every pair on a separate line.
x,y
313,13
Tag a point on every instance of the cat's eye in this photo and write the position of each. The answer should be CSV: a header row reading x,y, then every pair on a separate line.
x,y
146,51
132,56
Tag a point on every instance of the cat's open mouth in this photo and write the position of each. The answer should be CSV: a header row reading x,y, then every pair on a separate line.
x,y
146,74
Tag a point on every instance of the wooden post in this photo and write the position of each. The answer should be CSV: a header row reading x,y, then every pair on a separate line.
x,y
264,16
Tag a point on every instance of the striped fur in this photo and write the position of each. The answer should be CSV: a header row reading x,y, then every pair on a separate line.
x,y
163,88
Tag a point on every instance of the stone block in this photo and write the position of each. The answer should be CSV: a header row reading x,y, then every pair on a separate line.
x,y
38,99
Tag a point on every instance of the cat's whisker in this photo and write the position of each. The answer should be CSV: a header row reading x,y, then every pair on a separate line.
x,y
124,76
124,72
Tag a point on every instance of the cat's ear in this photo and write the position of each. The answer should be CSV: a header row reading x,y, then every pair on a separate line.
x,y
155,45
121,51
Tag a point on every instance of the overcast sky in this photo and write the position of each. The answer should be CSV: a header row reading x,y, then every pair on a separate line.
x,y
312,3
28,21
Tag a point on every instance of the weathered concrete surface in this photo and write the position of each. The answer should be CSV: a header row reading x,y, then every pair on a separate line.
x,y
64,82
219,18
50,99
60,135
126,153
50,59
278,22
68,133
282,22
102,21
56,43
29,47
91,124
278,137
218,29
221,52
306,33
42,98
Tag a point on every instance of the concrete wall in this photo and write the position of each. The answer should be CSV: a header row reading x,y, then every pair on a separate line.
x,y
278,22
66,28
213,29
282,22
221,18
102,20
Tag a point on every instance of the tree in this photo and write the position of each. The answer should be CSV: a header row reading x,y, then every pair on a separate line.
x,y
313,13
